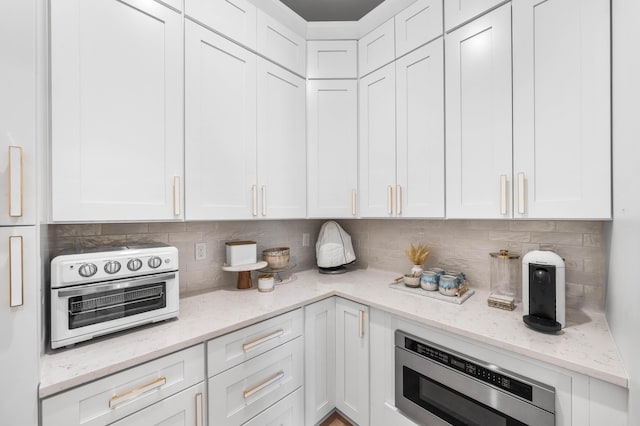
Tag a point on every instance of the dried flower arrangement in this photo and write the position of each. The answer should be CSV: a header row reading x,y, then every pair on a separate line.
x,y
417,254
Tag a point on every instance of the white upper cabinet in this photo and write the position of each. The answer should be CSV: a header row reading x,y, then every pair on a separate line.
x,y
562,139
478,110
457,12
418,24
376,49
116,102
332,59
281,142
332,129
220,127
233,18
420,132
281,45
17,113
377,143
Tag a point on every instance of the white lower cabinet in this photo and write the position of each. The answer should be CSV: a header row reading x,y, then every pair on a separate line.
x,y
240,393
186,408
112,398
319,359
289,411
352,360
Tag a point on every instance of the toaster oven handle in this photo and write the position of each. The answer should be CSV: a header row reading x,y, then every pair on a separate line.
x,y
116,285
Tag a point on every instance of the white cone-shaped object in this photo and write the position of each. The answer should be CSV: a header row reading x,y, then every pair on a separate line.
x,y
334,246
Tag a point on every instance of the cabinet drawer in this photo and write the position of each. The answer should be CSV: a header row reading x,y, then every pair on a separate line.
x,y
114,397
286,412
242,392
184,408
332,59
230,350
280,44
377,48
235,19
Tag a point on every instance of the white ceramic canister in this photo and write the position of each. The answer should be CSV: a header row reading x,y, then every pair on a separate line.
x,y
265,282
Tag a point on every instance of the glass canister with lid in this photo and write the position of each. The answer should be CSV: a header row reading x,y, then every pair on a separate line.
x,y
506,288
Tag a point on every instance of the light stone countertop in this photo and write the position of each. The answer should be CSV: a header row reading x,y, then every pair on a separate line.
x,y
585,346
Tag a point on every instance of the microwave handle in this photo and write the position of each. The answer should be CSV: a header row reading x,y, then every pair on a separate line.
x,y
115,285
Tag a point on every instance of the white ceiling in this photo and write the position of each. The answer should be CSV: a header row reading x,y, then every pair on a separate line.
x,y
331,10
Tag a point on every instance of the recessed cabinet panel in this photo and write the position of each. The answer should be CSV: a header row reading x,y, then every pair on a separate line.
x,y
280,44
418,24
116,94
233,18
377,143
376,49
457,12
333,147
420,132
281,143
332,59
562,139
478,107
220,126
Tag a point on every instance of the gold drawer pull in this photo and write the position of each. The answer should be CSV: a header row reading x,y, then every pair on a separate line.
x,y
361,323
136,392
199,410
247,393
252,345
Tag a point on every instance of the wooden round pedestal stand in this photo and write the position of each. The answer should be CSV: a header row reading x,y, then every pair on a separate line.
x,y
244,273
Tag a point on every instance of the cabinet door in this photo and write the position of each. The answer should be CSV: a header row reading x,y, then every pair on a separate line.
x,y
116,103
281,44
20,326
319,359
332,59
186,408
376,48
377,153
562,98
420,132
17,113
478,108
332,109
352,360
457,12
235,19
418,24
220,127
281,142
289,411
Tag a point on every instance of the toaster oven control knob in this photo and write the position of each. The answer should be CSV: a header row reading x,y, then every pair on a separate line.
x,y
112,266
134,264
155,262
87,270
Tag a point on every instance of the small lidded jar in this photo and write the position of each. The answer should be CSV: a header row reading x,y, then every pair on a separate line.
x,y
505,275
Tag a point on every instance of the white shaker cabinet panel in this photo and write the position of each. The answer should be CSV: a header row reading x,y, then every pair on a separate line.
x,y
19,304
332,59
418,24
281,45
220,127
17,113
377,143
562,109
319,359
352,360
457,12
235,19
376,49
332,108
116,103
420,132
289,411
478,110
281,143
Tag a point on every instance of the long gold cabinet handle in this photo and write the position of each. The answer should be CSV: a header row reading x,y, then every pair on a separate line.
x,y
16,271
254,200
264,200
136,392
15,181
273,379
354,202
399,200
199,409
176,195
258,342
361,323
390,200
